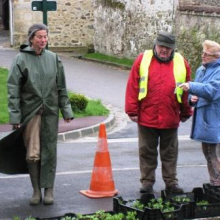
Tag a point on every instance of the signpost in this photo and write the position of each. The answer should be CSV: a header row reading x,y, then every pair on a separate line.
x,y
44,6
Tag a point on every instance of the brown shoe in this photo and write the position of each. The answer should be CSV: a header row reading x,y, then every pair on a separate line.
x,y
146,189
174,189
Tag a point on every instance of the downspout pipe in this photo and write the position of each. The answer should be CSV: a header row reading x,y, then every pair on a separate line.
x,y
11,22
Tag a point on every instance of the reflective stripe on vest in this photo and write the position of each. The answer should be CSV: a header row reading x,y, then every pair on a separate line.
x,y
179,70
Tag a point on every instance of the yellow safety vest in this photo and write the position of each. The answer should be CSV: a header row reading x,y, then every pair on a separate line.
x,y
179,70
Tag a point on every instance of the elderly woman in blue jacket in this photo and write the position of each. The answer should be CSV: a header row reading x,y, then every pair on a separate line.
x,y
205,97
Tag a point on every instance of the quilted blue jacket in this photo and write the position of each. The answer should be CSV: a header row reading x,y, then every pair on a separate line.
x,y
206,118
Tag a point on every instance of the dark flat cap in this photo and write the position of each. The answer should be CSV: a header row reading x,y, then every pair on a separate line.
x,y
165,39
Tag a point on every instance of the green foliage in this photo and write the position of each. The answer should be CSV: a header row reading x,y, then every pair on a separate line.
x,y
113,4
102,215
68,218
16,218
94,108
84,106
202,202
192,48
99,215
111,59
28,218
180,199
3,96
78,102
166,207
138,205
155,204
190,41
131,216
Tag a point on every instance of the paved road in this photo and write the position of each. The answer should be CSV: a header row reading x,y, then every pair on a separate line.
x,y
96,81
91,79
75,159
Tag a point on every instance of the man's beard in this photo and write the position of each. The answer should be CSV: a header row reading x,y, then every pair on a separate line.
x,y
163,60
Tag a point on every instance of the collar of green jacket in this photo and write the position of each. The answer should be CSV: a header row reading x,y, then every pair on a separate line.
x,y
25,48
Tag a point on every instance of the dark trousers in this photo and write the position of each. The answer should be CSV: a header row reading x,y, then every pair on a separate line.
x,y
212,155
149,139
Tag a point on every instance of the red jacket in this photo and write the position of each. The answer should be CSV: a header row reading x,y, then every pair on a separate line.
x,y
160,108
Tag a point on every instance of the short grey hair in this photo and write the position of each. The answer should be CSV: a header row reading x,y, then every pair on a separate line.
x,y
33,29
212,46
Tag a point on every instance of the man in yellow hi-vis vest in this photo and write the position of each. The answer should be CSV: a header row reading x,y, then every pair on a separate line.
x,y
156,103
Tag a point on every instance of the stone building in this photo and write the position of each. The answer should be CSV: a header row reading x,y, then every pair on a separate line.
x,y
71,25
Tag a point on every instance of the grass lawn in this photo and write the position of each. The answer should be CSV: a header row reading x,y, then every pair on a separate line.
x,y
103,57
3,96
94,107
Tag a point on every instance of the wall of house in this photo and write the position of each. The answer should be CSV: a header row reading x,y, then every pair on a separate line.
x,y
128,27
70,26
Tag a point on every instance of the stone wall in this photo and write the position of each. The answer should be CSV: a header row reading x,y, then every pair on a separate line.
x,y
23,18
70,26
127,27
123,28
200,26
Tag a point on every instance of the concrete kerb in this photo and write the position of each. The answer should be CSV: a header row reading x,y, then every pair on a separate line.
x,y
88,131
110,123
116,121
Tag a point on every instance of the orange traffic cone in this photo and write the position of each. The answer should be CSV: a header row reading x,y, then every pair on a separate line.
x,y
102,183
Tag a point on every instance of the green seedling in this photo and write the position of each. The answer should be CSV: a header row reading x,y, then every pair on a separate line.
x,y
138,205
28,218
155,204
69,218
180,199
131,216
202,202
102,215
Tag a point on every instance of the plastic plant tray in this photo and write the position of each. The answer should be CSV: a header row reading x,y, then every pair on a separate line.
x,y
123,206
192,209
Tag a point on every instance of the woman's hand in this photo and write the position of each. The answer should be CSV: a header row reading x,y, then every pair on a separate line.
x,y
68,120
184,86
16,126
194,99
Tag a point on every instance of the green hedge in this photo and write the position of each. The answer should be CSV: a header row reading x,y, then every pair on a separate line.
x,y
78,102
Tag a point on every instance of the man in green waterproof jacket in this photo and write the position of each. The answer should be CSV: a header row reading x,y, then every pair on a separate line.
x,y
36,92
